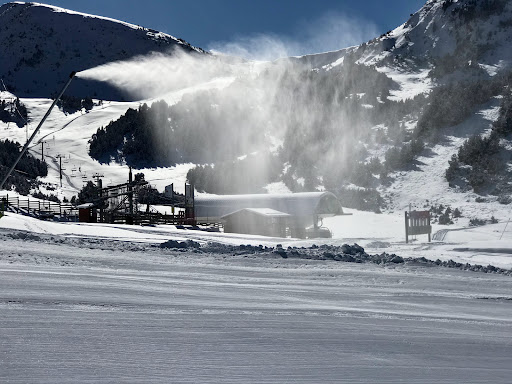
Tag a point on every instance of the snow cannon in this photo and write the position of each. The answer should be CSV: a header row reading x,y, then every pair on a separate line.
x,y
25,147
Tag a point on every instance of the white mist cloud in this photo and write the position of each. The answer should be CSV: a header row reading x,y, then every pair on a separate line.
x,y
332,31
276,100
258,47
157,73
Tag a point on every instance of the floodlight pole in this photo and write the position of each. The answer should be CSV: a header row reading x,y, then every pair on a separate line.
x,y
25,147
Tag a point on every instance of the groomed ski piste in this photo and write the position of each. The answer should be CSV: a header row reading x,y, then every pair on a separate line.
x,y
99,303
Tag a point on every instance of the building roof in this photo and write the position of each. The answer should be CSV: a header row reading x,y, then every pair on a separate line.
x,y
267,212
294,204
86,205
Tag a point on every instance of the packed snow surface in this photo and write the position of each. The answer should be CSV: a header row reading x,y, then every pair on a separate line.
x,y
95,303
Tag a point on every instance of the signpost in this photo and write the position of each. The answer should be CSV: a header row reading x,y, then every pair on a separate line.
x,y
417,223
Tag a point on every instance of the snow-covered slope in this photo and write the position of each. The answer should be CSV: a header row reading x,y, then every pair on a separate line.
x,y
446,42
41,44
67,136
462,30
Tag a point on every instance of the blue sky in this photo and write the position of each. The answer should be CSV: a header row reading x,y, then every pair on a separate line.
x,y
304,26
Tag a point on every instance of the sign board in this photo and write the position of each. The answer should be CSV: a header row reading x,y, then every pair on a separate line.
x,y
417,223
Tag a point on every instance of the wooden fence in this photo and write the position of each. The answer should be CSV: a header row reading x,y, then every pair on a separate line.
x,y
39,209
49,210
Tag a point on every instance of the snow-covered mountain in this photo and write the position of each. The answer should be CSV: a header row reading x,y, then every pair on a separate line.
x,y
455,58
453,34
41,44
377,123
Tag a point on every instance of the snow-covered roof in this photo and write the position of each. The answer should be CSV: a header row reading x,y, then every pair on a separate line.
x,y
268,212
85,205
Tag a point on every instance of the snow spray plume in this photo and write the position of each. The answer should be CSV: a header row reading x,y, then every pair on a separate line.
x,y
157,73
299,105
304,112
331,32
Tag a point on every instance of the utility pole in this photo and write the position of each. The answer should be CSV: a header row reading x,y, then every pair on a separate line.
x,y
60,157
42,150
100,189
60,169
129,219
99,183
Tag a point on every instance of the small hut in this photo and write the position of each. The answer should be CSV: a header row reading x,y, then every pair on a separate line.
x,y
257,221
87,213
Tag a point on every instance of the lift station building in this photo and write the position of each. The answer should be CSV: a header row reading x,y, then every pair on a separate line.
x,y
297,214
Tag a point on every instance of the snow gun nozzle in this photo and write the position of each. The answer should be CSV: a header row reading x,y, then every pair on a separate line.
x,y
72,74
